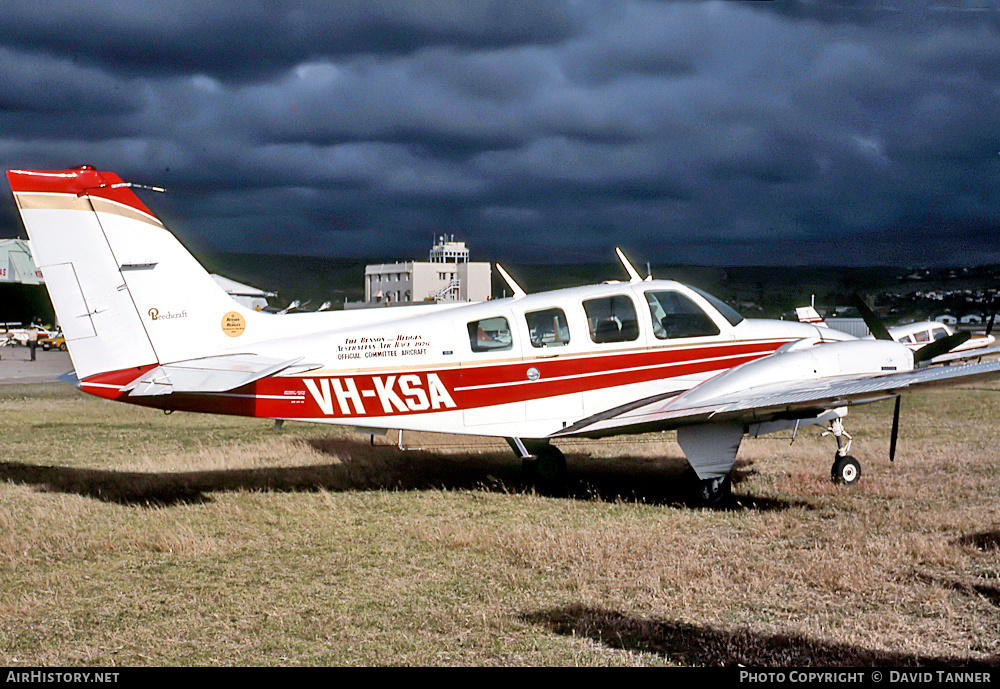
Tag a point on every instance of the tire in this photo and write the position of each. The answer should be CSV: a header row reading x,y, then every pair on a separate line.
x,y
714,491
846,471
549,470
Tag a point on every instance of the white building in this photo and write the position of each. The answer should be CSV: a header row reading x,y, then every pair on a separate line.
x,y
851,326
447,277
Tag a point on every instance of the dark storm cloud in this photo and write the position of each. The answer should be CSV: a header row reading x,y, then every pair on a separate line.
x,y
698,131
35,85
244,40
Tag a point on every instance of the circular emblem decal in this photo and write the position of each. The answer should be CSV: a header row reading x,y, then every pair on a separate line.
x,y
233,324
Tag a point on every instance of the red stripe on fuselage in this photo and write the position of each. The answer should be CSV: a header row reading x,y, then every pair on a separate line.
x,y
390,393
109,385
582,373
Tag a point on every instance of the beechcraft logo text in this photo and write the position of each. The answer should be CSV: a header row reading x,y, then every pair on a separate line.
x,y
155,315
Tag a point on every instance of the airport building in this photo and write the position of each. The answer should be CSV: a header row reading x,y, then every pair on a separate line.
x,y
448,276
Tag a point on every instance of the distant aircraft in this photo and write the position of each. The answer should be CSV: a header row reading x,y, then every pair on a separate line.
x,y
21,335
918,335
146,324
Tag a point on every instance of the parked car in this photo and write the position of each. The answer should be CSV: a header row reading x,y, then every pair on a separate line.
x,y
56,341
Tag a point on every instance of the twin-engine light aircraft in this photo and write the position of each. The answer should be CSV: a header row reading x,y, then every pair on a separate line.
x,y
918,335
146,324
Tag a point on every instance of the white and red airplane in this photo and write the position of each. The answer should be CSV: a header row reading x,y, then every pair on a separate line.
x,y
920,334
146,324
21,335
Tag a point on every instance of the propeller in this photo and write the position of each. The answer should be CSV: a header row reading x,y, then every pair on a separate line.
x,y
922,355
939,347
874,323
925,353
895,430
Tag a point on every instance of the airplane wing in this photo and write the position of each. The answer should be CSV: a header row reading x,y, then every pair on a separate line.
x,y
798,399
964,355
210,374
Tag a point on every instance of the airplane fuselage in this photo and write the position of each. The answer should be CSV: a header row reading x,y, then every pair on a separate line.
x,y
525,367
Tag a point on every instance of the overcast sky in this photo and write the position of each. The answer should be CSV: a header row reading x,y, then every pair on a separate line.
x,y
723,132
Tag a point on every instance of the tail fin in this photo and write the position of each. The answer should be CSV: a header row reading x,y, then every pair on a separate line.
x,y
127,294
809,314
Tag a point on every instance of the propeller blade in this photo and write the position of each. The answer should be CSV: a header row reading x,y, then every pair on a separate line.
x,y
874,323
939,347
989,326
895,430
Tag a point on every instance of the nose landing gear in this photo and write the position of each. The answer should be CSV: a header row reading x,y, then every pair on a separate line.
x,y
846,469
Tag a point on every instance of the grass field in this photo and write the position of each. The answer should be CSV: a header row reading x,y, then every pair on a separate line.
x,y
128,537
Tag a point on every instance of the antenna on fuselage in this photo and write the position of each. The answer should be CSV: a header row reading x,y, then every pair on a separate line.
x,y
515,288
633,276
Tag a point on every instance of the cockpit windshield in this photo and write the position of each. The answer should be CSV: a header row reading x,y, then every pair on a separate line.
x,y
727,311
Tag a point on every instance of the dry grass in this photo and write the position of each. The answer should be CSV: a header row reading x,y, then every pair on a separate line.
x,y
131,538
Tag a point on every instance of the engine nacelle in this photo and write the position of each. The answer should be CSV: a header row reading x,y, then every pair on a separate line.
x,y
823,361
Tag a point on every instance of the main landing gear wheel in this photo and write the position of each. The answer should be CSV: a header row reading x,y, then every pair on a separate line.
x,y
548,469
714,491
846,470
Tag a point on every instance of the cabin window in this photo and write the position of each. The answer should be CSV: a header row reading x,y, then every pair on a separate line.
x,y
940,333
490,334
906,339
547,328
675,315
612,319
922,336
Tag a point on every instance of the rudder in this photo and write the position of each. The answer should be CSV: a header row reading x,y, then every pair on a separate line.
x,y
127,294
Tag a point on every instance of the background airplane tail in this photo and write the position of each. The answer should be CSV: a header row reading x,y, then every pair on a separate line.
x,y
127,294
809,314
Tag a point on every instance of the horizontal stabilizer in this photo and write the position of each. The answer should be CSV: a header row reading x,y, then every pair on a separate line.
x,y
69,377
209,374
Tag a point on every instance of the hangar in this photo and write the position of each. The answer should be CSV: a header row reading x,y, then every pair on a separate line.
x,y
22,291
23,297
